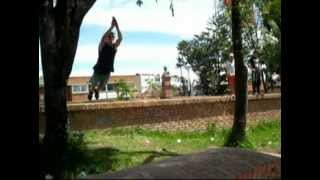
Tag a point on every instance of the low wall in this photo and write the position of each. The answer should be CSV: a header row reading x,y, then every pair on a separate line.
x,y
191,113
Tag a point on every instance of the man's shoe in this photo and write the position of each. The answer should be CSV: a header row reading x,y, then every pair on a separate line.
x,y
90,95
96,95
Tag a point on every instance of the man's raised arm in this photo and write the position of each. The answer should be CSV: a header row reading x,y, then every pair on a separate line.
x,y
105,35
117,43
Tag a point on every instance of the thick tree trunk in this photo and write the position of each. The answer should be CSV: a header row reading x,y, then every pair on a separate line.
x,y
59,28
239,125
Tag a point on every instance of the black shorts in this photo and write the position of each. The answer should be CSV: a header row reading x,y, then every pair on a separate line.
x,y
99,80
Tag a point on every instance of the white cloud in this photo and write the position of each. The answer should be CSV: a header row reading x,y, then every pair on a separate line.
x,y
139,53
132,59
148,54
190,16
86,53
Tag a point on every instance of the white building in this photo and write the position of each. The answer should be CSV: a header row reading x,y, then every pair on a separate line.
x,y
145,78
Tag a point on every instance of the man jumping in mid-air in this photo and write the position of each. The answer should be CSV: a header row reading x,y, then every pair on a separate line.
x,y
104,65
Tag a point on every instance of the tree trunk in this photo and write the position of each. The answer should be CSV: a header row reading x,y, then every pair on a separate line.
x,y
204,84
59,28
239,124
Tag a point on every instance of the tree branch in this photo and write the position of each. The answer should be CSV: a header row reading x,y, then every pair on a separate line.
x,y
68,17
81,8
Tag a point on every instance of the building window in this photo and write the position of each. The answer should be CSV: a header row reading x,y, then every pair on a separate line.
x,y
83,88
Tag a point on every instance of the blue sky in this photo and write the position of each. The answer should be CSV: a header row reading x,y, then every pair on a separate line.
x,y
150,34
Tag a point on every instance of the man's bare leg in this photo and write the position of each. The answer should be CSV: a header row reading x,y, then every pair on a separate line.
x,y
96,92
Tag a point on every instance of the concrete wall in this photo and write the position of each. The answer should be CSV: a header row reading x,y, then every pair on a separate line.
x,y
194,113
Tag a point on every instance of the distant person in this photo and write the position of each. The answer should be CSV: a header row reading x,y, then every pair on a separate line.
x,y
165,72
105,64
255,73
166,84
165,76
275,79
264,76
230,67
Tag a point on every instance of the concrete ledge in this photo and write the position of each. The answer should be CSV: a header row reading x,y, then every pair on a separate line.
x,y
187,113
224,163
100,105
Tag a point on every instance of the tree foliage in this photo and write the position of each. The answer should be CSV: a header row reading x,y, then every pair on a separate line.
x,y
271,51
124,90
268,24
171,7
209,50
206,53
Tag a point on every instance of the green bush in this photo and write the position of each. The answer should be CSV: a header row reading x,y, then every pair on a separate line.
x,y
124,90
76,155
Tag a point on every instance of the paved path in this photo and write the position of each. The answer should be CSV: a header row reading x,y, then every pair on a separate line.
x,y
222,163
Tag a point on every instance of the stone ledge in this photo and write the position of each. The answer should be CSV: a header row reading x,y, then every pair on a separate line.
x,y
157,102
223,163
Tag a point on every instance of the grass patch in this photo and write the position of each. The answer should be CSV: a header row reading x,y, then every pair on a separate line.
x,y
117,149
266,136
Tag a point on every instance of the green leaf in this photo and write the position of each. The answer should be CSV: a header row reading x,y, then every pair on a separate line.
x,y
139,3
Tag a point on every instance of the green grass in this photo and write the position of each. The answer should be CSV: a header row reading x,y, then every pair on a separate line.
x,y
266,136
117,149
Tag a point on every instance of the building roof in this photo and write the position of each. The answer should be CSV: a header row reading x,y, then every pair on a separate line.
x,y
85,79
78,80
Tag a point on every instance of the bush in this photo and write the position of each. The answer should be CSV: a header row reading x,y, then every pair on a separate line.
x,y
76,156
124,90
70,163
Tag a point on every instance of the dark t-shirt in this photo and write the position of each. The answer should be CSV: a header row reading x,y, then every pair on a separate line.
x,y
106,59
252,61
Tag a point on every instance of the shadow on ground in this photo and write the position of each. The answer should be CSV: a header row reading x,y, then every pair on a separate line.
x,y
108,159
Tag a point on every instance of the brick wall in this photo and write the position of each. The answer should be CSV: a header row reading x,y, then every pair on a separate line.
x,y
80,97
168,114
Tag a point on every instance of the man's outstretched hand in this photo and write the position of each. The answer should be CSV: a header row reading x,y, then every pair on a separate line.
x,y
114,22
